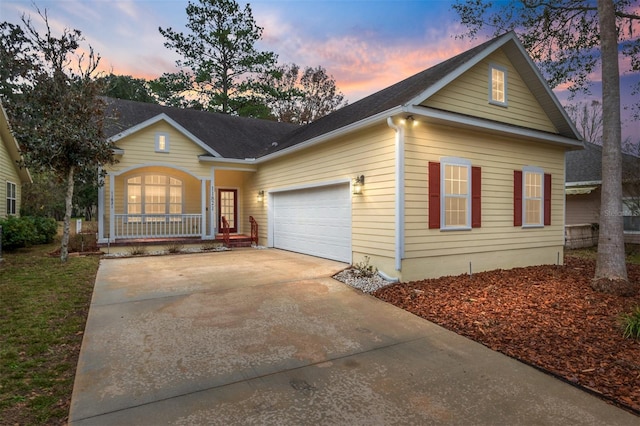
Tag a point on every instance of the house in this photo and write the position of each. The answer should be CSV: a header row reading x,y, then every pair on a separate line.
x,y
459,168
12,176
583,191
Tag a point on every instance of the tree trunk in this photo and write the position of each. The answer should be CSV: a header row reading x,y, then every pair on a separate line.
x,y
611,271
68,201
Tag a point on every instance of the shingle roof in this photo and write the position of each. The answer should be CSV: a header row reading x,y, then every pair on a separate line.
x,y
384,100
586,165
230,136
240,138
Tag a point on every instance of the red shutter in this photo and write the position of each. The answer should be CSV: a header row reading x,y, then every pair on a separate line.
x,y
476,197
517,198
547,199
434,195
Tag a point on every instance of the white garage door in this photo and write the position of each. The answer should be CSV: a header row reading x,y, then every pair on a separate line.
x,y
315,221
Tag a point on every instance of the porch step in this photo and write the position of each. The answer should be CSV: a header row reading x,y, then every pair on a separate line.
x,y
235,240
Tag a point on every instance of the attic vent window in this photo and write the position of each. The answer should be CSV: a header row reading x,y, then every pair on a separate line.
x,y
497,85
162,142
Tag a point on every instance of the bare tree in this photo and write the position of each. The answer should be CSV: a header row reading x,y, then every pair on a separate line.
x,y
588,119
301,96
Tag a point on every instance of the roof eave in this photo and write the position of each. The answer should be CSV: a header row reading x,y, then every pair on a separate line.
x,y
13,148
583,183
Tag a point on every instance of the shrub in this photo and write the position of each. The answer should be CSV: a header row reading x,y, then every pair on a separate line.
x,y
174,247
631,324
26,231
17,232
137,250
363,269
46,229
210,245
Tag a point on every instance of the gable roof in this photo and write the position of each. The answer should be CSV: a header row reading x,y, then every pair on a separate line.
x,y
584,167
12,146
220,135
410,92
241,138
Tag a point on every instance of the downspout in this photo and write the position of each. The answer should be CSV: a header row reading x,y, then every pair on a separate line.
x,y
399,225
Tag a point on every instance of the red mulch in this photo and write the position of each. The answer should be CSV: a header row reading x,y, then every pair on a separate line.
x,y
546,316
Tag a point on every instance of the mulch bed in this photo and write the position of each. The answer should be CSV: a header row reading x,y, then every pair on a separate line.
x,y
545,316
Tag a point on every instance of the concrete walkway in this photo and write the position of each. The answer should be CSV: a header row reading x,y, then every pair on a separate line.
x,y
267,337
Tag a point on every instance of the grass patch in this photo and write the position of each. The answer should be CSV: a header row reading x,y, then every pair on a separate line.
x,y
632,253
43,310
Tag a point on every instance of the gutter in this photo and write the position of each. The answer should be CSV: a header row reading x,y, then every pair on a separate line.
x,y
400,195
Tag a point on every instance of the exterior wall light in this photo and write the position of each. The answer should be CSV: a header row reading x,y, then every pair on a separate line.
x,y
260,196
358,183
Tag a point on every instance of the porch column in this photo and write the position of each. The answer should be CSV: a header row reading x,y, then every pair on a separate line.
x,y
212,203
112,208
203,208
101,211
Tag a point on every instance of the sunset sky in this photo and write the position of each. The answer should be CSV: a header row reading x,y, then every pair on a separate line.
x,y
365,45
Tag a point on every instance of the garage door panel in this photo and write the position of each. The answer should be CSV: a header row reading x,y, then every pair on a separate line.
x,y
315,221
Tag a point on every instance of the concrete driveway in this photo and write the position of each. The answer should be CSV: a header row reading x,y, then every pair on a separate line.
x,y
267,337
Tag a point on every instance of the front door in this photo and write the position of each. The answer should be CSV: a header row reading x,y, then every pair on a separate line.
x,y
228,207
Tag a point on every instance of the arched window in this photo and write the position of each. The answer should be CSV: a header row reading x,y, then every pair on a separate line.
x,y
154,196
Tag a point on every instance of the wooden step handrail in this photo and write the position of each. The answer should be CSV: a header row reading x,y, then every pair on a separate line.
x,y
254,230
225,231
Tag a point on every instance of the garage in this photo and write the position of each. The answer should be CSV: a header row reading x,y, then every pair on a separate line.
x,y
314,221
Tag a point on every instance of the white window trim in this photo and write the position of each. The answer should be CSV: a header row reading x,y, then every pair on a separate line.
x,y
454,161
493,101
536,170
14,198
142,194
166,142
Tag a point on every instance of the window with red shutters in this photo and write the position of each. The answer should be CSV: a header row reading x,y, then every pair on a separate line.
x,y
531,197
436,200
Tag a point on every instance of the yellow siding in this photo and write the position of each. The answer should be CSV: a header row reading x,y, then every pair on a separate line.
x,y
498,157
139,149
469,94
369,153
457,264
8,173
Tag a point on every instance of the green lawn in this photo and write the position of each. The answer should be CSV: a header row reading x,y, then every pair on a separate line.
x,y
43,310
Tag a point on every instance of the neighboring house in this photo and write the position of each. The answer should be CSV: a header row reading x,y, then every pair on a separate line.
x,y
583,191
12,176
458,168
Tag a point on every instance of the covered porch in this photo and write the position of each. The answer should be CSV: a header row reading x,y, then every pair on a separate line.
x,y
162,204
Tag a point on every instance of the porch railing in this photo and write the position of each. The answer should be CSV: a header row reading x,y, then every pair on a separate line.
x,y
254,230
225,231
157,225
